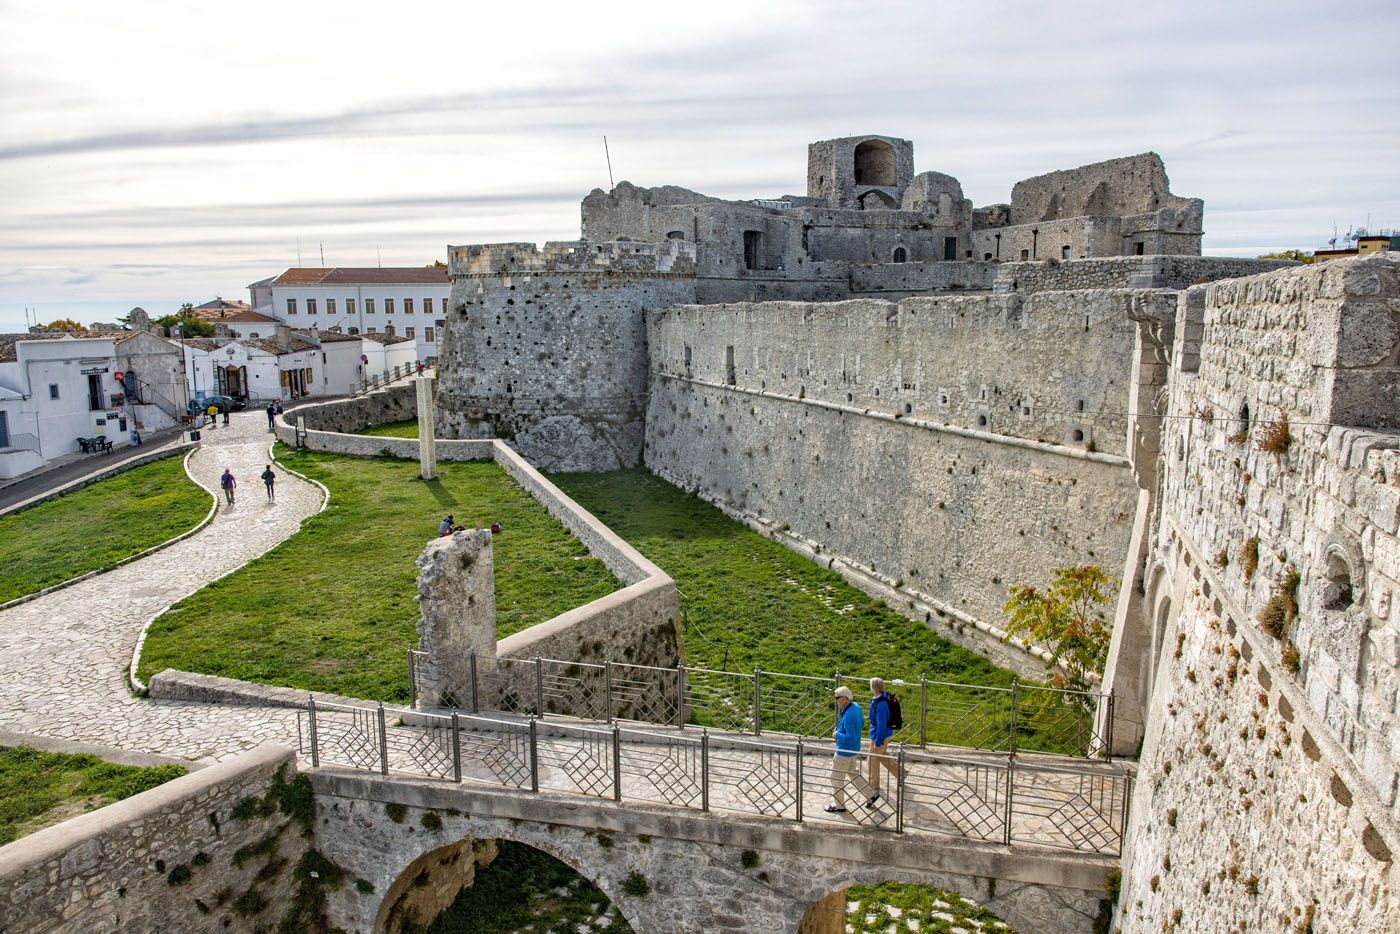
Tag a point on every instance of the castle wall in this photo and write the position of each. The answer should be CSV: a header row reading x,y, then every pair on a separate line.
x,y
183,856
1127,272
932,441
1268,747
554,362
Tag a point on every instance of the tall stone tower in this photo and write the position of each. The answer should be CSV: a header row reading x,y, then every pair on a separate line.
x,y
860,172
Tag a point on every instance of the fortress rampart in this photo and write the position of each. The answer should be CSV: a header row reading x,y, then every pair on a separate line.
x,y
1268,788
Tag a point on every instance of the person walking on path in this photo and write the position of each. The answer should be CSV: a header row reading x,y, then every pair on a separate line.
x,y
271,414
845,764
213,413
228,483
225,418
882,707
268,479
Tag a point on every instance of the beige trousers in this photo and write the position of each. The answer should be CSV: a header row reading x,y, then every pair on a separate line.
x,y
845,770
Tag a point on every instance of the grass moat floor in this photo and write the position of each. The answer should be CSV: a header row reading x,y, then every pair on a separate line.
x,y
39,789
404,429
332,608
97,526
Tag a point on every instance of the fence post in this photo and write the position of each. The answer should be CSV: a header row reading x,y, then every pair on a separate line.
x,y
311,729
383,743
899,793
617,763
1010,792
607,687
476,700
704,770
412,681
1015,707
757,680
1108,727
539,687
923,711
456,750
800,757
534,757
680,695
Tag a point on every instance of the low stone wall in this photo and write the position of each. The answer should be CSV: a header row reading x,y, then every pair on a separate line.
x,y
213,850
392,404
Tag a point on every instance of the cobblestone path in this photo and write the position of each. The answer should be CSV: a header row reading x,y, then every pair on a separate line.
x,y
65,655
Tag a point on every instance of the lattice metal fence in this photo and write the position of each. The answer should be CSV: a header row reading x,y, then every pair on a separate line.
x,y
1021,717
983,796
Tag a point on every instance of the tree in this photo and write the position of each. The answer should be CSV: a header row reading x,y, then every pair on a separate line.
x,y
67,325
1068,619
193,326
1302,256
437,264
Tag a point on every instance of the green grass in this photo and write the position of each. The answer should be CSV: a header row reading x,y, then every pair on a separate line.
x,y
751,602
524,889
38,789
404,429
332,609
97,526
932,907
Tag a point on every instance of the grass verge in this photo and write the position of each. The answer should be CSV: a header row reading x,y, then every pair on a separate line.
x,y
404,429
39,789
332,608
937,911
97,526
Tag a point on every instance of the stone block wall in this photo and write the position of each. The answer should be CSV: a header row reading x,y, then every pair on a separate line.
x,y
213,850
391,404
1145,272
810,436
1275,555
554,362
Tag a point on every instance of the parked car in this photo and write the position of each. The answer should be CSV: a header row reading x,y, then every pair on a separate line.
x,y
222,403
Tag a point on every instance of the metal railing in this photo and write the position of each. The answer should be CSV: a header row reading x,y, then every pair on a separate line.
x,y
10,442
1022,717
997,798
379,380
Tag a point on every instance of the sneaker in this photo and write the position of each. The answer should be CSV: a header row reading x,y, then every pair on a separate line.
x,y
833,809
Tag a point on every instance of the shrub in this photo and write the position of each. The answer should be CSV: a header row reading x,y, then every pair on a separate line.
x,y
364,886
636,885
748,859
1113,883
1222,560
1068,619
1278,614
1249,558
431,822
397,812
1291,659
1274,437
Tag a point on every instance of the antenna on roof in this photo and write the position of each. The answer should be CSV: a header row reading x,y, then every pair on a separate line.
x,y
298,251
608,156
323,253
379,256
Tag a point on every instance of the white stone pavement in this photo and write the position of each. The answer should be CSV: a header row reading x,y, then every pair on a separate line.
x,y
65,655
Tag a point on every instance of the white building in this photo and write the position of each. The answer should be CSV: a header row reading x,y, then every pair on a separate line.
x,y
341,367
259,370
55,390
406,302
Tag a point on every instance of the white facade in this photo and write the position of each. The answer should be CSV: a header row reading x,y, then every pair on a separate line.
x,y
56,391
341,368
414,309
260,372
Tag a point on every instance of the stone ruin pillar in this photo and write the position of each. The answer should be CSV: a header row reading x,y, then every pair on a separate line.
x,y
427,447
457,599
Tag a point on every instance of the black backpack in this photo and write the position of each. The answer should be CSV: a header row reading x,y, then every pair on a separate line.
x,y
896,716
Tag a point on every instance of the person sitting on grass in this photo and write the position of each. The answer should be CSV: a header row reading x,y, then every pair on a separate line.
x,y
448,526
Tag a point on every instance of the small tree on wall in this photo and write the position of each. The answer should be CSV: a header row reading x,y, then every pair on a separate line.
x,y
1068,619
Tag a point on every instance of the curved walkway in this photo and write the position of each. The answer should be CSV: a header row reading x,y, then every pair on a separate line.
x,y
65,655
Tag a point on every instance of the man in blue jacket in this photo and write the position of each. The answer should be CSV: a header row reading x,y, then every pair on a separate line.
x,y
845,765
881,755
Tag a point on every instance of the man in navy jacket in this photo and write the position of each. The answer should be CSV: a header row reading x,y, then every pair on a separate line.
x,y
880,733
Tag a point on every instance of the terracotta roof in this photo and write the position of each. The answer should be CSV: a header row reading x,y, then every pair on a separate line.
x,y
329,337
246,316
220,304
270,344
8,354
7,346
386,339
364,275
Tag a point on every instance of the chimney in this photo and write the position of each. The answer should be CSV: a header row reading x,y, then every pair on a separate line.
x,y
284,338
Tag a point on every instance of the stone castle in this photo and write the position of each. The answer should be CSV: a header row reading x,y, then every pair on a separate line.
x,y
940,400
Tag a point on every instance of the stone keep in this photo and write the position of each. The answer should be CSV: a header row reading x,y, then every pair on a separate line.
x,y
457,599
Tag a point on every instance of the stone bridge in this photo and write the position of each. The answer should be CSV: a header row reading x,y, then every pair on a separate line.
x,y
415,840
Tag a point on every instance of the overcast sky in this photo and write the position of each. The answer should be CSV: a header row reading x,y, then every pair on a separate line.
x,y
154,152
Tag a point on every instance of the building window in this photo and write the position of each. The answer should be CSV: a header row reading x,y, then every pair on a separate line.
x,y
408,332
253,336
369,306
1025,255
53,390
349,306
950,248
408,306
444,306
1138,248
95,393
371,329
291,306
4,430
330,306
440,324
388,306
1064,252
311,306
751,249
427,306
901,255
428,335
